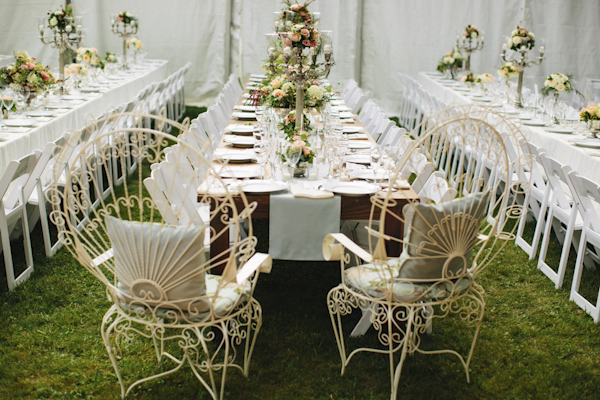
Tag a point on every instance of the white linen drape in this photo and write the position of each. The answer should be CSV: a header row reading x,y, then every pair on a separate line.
x,y
223,36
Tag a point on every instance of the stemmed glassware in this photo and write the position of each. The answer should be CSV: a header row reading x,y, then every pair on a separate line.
x,y
375,157
8,101
292,156
330,149
391,151
261,150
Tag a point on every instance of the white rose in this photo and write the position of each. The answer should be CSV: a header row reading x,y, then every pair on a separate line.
x,y
128,14
514,32
516,40
473,35
547,83
510,43
531,35
560,87
53,21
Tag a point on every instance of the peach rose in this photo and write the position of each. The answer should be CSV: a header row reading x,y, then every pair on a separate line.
x,y
278,93
275,83
591,108
296,37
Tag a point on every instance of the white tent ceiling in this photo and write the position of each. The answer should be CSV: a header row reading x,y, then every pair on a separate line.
x,y
373,39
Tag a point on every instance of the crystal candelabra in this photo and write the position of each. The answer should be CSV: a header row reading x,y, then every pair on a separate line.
x,y
125,30
519,60
300,64
62,38
469,45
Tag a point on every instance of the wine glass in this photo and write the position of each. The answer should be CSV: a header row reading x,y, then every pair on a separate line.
x,y
292,156
8,101
261,150
391,151
276,154
375,157
330,148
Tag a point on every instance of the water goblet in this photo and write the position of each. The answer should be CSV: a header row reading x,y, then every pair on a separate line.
x,y
292,156
261,150
8,101
375,157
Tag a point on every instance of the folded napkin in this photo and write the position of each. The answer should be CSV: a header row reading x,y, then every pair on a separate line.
x,y
593,153
309,193
297,226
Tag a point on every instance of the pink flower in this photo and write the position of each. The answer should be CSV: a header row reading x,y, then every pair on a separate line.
x,y
296,37
313,43
303,13
306,42
292,117
304,32
33,58
45,76
30,65
278,93
24,66
522,31
306,151
288,42
590,108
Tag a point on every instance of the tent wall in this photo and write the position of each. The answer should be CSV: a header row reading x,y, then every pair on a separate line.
x,y
373,39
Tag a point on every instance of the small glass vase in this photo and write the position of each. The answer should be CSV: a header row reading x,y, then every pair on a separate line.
x,y
301,169
594,127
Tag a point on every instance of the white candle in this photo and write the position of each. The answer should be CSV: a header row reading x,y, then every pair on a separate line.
x,y
285,174
312,174
287,50
271,50
41,27
320,159
327,48
68,28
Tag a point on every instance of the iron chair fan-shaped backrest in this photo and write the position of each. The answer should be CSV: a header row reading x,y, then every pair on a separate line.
x,y
446,245
160,275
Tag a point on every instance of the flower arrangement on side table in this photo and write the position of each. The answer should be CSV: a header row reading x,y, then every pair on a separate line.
x,y
591,115
484,78
468,78
27,74
557,83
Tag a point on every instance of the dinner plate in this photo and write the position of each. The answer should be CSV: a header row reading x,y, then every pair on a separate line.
x,y
246,108
346,114
56,106
342,109
260,186
590,143
558,129
534,122
237,156
258,76
352,189
240,129
352,129
90,90
483,99
359,144
462,89
19,122
369,175
40,113
73,97
357,136
240,172
244,115
240,141
357,158
338,102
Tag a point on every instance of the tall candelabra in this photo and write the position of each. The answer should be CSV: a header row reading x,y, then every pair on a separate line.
x,y
62,39
125,30
469,45
300,64
519,60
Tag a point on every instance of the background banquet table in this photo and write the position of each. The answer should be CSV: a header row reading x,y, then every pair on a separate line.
x,y
16,145
559,146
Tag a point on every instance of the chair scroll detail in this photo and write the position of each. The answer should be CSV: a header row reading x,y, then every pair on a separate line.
x,y
156,269
449,241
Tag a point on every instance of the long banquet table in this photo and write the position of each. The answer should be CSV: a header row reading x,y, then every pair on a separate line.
x,y
559,146
354,208
16,143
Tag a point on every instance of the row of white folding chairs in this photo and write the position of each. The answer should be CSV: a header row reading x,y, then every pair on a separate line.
x,y
415,102
353,96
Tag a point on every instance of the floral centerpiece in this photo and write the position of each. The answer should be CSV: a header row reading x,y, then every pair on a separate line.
x,y
88,55
125,17
76,69
303,36
135,42
27,74
300,141
110,58
484,78
591,115
301,14
521,39
471,32
507,71
469,77
557,82
451,61
58,20
279,92
288,125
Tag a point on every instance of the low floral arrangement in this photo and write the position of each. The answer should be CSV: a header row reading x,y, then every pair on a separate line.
x,y
484,78
88,55
279,92
557,82
507,71
521,39
451,60
288,125
7,99
469,77
590,113
110,58
125,17
58,20
27,73
300,141
135,42
77,69
471,32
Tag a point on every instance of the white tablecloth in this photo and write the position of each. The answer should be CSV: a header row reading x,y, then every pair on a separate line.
x,y
559,146
15,146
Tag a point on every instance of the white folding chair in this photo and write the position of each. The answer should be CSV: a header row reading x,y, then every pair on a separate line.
x,y
587,195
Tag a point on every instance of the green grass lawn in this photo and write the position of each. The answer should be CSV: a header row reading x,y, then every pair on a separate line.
x,y
534,343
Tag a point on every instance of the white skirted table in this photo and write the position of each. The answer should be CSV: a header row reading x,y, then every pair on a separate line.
x,y
560,146
16,142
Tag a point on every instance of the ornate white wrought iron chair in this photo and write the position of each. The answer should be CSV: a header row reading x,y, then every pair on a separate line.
x,y
164,287
446,247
